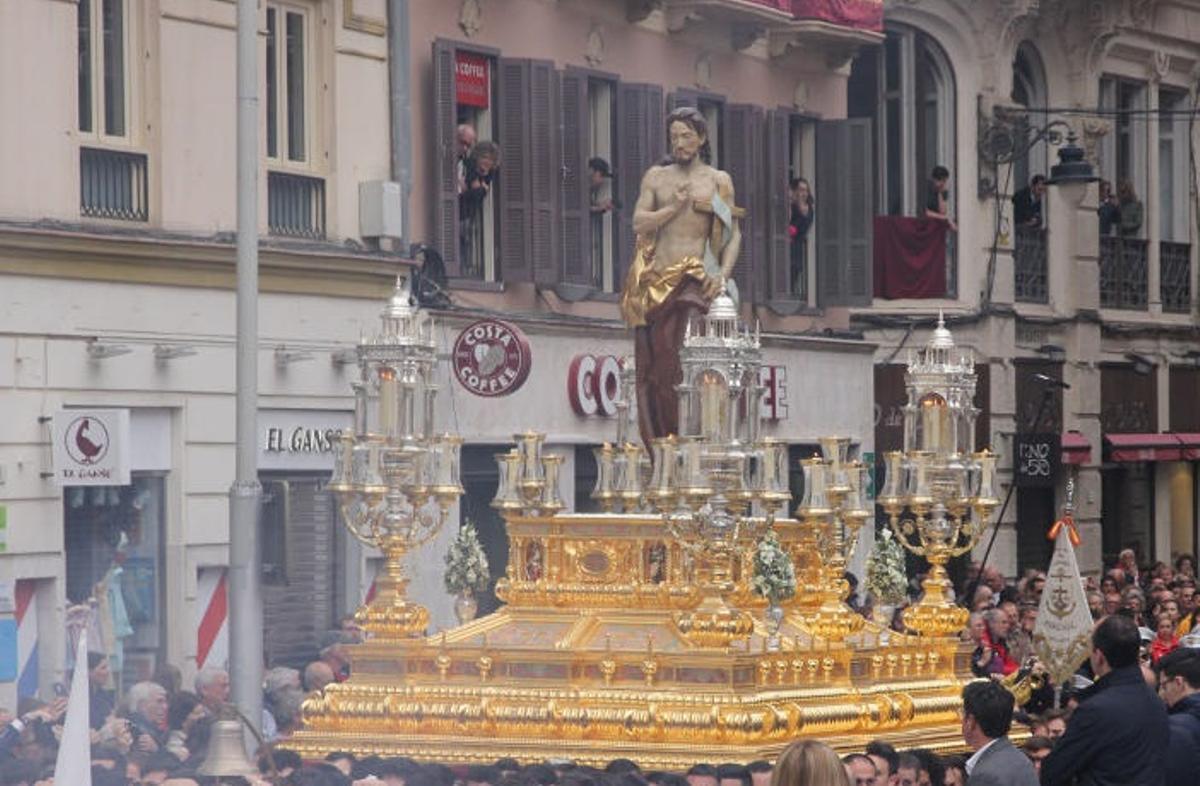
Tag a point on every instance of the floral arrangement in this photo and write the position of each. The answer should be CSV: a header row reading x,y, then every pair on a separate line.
x,y
774,575
466,563
886,577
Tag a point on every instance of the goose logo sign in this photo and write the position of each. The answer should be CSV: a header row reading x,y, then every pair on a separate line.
x,y
491,358
91,447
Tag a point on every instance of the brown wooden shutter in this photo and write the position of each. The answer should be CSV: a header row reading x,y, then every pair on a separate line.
x,y
445,158
639,145
830,213
844,212
860,211
516,247
777,207
545,164
743,130
576,192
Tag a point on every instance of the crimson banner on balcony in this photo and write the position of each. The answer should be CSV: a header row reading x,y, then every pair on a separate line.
x,y
860,14
909,257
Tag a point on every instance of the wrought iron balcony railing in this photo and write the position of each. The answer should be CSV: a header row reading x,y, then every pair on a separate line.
x,y
1031,279
295,205
1175,277
1124,281
113,184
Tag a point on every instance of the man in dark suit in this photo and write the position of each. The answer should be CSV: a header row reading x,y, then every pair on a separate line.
x,y
1027,203
987,717
1118,734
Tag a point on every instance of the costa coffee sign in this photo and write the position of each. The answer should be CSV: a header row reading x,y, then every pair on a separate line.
x,y
593,384
471,79
491,358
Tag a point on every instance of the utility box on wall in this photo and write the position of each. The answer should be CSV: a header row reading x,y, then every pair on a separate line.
x,y
380,211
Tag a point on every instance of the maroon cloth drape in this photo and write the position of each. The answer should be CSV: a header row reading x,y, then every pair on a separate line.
x,y
859,14
909,257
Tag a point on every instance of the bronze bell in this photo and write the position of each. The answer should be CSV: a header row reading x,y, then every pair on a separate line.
x,y
226,751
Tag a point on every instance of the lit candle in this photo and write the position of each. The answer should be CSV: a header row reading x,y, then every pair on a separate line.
x,y
388,401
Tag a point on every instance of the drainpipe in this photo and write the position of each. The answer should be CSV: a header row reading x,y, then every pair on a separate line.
x,y
245,588
400,101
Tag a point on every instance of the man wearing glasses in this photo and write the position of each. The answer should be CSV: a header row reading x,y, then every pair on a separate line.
x,y
1179,687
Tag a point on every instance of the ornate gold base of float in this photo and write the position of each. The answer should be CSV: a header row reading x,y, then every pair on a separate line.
x,y
588,660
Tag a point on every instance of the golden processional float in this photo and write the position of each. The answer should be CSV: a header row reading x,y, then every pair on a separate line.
x,y
635,632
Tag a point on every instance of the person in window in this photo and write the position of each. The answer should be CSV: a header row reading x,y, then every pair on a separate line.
x,y
937,198
1130,210
599,202
464,140
1027,203
478,172
801,221
1109,210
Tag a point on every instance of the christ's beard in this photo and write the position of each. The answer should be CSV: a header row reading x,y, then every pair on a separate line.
x,y
683,156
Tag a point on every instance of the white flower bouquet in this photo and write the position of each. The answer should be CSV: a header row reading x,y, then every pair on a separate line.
x,y
886,577
466,563
774,575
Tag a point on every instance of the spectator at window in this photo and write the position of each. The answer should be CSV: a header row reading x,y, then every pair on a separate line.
x,y
479,170
802,214
464,140
1027,203
600,201
1109,210
1131,217
937,198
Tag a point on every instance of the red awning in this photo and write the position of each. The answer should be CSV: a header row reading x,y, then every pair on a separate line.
x,y
1145,447
1191,446
1075,448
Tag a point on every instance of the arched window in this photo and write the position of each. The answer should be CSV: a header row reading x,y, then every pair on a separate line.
x,y
907,88
1029,91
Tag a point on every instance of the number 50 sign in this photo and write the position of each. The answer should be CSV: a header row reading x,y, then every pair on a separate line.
x,y
1036,459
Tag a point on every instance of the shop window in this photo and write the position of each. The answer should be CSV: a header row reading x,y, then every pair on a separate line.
x,y
113,539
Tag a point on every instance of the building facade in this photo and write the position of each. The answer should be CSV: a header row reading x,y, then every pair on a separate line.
x,y
1107,307
116,262
117,268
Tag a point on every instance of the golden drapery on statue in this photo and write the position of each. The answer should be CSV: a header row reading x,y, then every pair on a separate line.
x,y
657,303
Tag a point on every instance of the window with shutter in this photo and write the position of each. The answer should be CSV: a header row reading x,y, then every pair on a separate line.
x,y
545,162
777,214
744,164
528,180
641,134
513,179
844,177
445,158
576,218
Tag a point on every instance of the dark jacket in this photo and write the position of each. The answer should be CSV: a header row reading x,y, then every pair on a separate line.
x,y
1116,737
101,703
1026,209
1183,757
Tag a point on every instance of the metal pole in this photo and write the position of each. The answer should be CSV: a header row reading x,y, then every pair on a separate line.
x,y
400,95
245,592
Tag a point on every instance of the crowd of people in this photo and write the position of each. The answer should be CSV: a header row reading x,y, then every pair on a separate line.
x,y
1111,728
